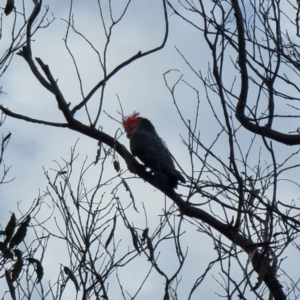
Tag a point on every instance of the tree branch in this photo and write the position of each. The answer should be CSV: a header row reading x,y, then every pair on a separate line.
x,y
265,131
126,63
28,119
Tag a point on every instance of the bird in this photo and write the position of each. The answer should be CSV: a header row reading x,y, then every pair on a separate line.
x,y
146,144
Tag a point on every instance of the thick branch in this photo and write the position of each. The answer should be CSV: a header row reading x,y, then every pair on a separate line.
x,y
26,52
31,120
62,103
265,131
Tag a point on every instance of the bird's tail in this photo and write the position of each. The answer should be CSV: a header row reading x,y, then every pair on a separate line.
x,y
169,178
177,175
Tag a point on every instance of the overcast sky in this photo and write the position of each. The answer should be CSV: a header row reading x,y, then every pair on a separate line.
x,y
141,87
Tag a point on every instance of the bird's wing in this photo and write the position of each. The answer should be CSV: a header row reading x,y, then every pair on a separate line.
x,y
149,148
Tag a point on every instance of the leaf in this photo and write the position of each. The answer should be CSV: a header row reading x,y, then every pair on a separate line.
x,y
151,249
62,172
9,7
134,239
39,271
71,276
10,228
111,233
5,251
20,234
145,234
17,268
130,193
98,153
18,253
10,285
116,165
38,268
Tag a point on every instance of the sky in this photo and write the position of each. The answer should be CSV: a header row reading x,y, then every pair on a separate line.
x,y
141,86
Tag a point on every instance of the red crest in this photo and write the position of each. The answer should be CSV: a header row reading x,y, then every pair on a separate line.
x,y
130,121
